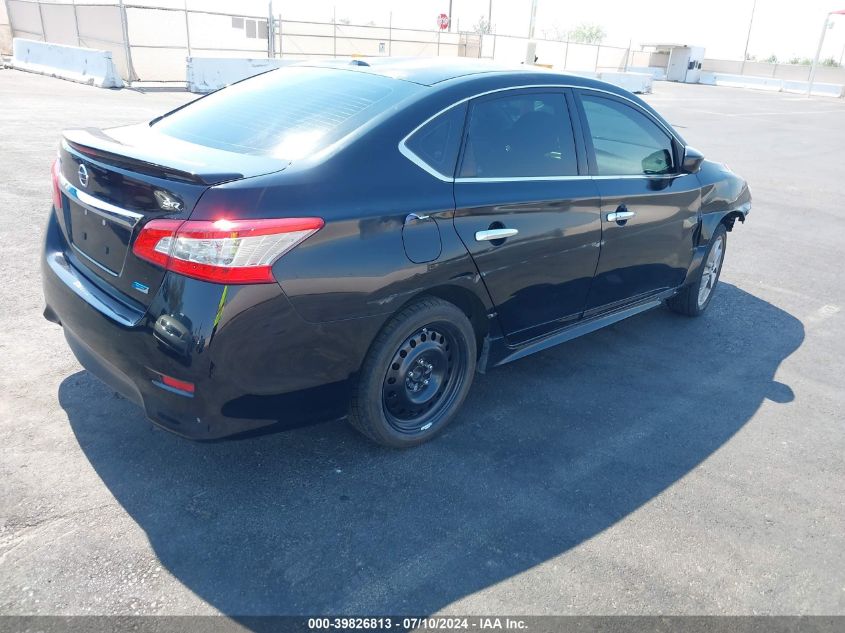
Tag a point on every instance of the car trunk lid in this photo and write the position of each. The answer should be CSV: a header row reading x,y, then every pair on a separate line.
x,y
114,181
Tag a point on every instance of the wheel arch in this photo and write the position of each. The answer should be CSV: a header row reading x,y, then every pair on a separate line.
x,y
711,221
467,301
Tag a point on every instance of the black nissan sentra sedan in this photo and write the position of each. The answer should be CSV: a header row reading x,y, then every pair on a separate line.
x,y
357,240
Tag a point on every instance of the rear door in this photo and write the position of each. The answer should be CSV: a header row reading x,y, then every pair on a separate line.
x,y
649,210
527,210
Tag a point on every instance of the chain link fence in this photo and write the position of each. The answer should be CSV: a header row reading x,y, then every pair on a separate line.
x,y
147,43
150,43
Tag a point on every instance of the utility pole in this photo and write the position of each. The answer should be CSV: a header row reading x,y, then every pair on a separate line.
x,y
748,37
819,49
533,19
450,16
490,16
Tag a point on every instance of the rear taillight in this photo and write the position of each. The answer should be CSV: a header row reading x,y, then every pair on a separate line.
x,y
222,251
55,170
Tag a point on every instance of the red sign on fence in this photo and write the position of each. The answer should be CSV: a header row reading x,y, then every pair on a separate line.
x,y
443,21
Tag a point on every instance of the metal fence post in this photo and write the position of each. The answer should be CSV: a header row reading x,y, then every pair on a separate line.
x,y
334,31
130,69
565,54
598,51
271,33
390,35
76,24
11,22
281,44
187,29
41,20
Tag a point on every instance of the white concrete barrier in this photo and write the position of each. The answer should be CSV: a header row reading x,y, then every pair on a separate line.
x,y
84,65
632,82
769,83
206,74
819,89
657,73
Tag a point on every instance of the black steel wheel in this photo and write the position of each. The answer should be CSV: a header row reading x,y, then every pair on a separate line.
x,y
416,375
423,377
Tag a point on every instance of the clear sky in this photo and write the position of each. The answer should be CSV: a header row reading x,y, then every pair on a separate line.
x,y
783,28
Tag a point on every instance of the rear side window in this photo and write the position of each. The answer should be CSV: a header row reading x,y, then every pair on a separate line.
x,y
625,141
437,142
286,113
519,136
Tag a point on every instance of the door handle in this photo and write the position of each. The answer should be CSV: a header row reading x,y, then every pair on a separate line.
x,y
621,215
494,234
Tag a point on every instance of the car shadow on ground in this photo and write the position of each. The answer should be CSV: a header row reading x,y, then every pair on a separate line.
x,y
547,452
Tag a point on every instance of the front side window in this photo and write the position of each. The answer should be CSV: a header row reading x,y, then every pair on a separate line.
x,y
626,142
519,136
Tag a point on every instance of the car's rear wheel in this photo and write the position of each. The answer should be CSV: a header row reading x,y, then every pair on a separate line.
x,y
416,374
693,299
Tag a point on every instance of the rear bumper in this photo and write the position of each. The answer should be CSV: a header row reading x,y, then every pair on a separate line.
x,y
252,360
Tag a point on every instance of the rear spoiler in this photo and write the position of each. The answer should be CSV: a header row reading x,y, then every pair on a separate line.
x,y
140,149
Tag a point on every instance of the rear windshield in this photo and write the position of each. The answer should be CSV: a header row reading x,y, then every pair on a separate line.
x,y
286,113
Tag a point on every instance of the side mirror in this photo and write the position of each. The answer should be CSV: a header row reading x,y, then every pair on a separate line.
x,y
692,160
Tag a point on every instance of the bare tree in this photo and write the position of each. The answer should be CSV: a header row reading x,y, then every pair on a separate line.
x,y
555,33
482,27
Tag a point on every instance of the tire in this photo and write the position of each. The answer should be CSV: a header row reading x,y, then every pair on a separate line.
x,y
693,299
416,375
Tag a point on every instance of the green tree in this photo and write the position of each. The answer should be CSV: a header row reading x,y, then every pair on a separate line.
x,y
830,61
771,59
587,33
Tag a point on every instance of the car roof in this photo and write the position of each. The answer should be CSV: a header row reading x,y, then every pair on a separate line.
x,y
428,71
431,71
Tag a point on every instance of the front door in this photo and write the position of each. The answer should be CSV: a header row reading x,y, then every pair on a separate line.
x,y
525,211
649,210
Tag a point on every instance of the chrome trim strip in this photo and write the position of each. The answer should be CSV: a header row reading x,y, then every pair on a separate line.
x,y
419,162
521,178
105,209
584,177
629,176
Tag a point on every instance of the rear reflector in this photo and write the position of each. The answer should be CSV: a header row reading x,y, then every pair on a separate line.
x,y
57,191
180,385
222,251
